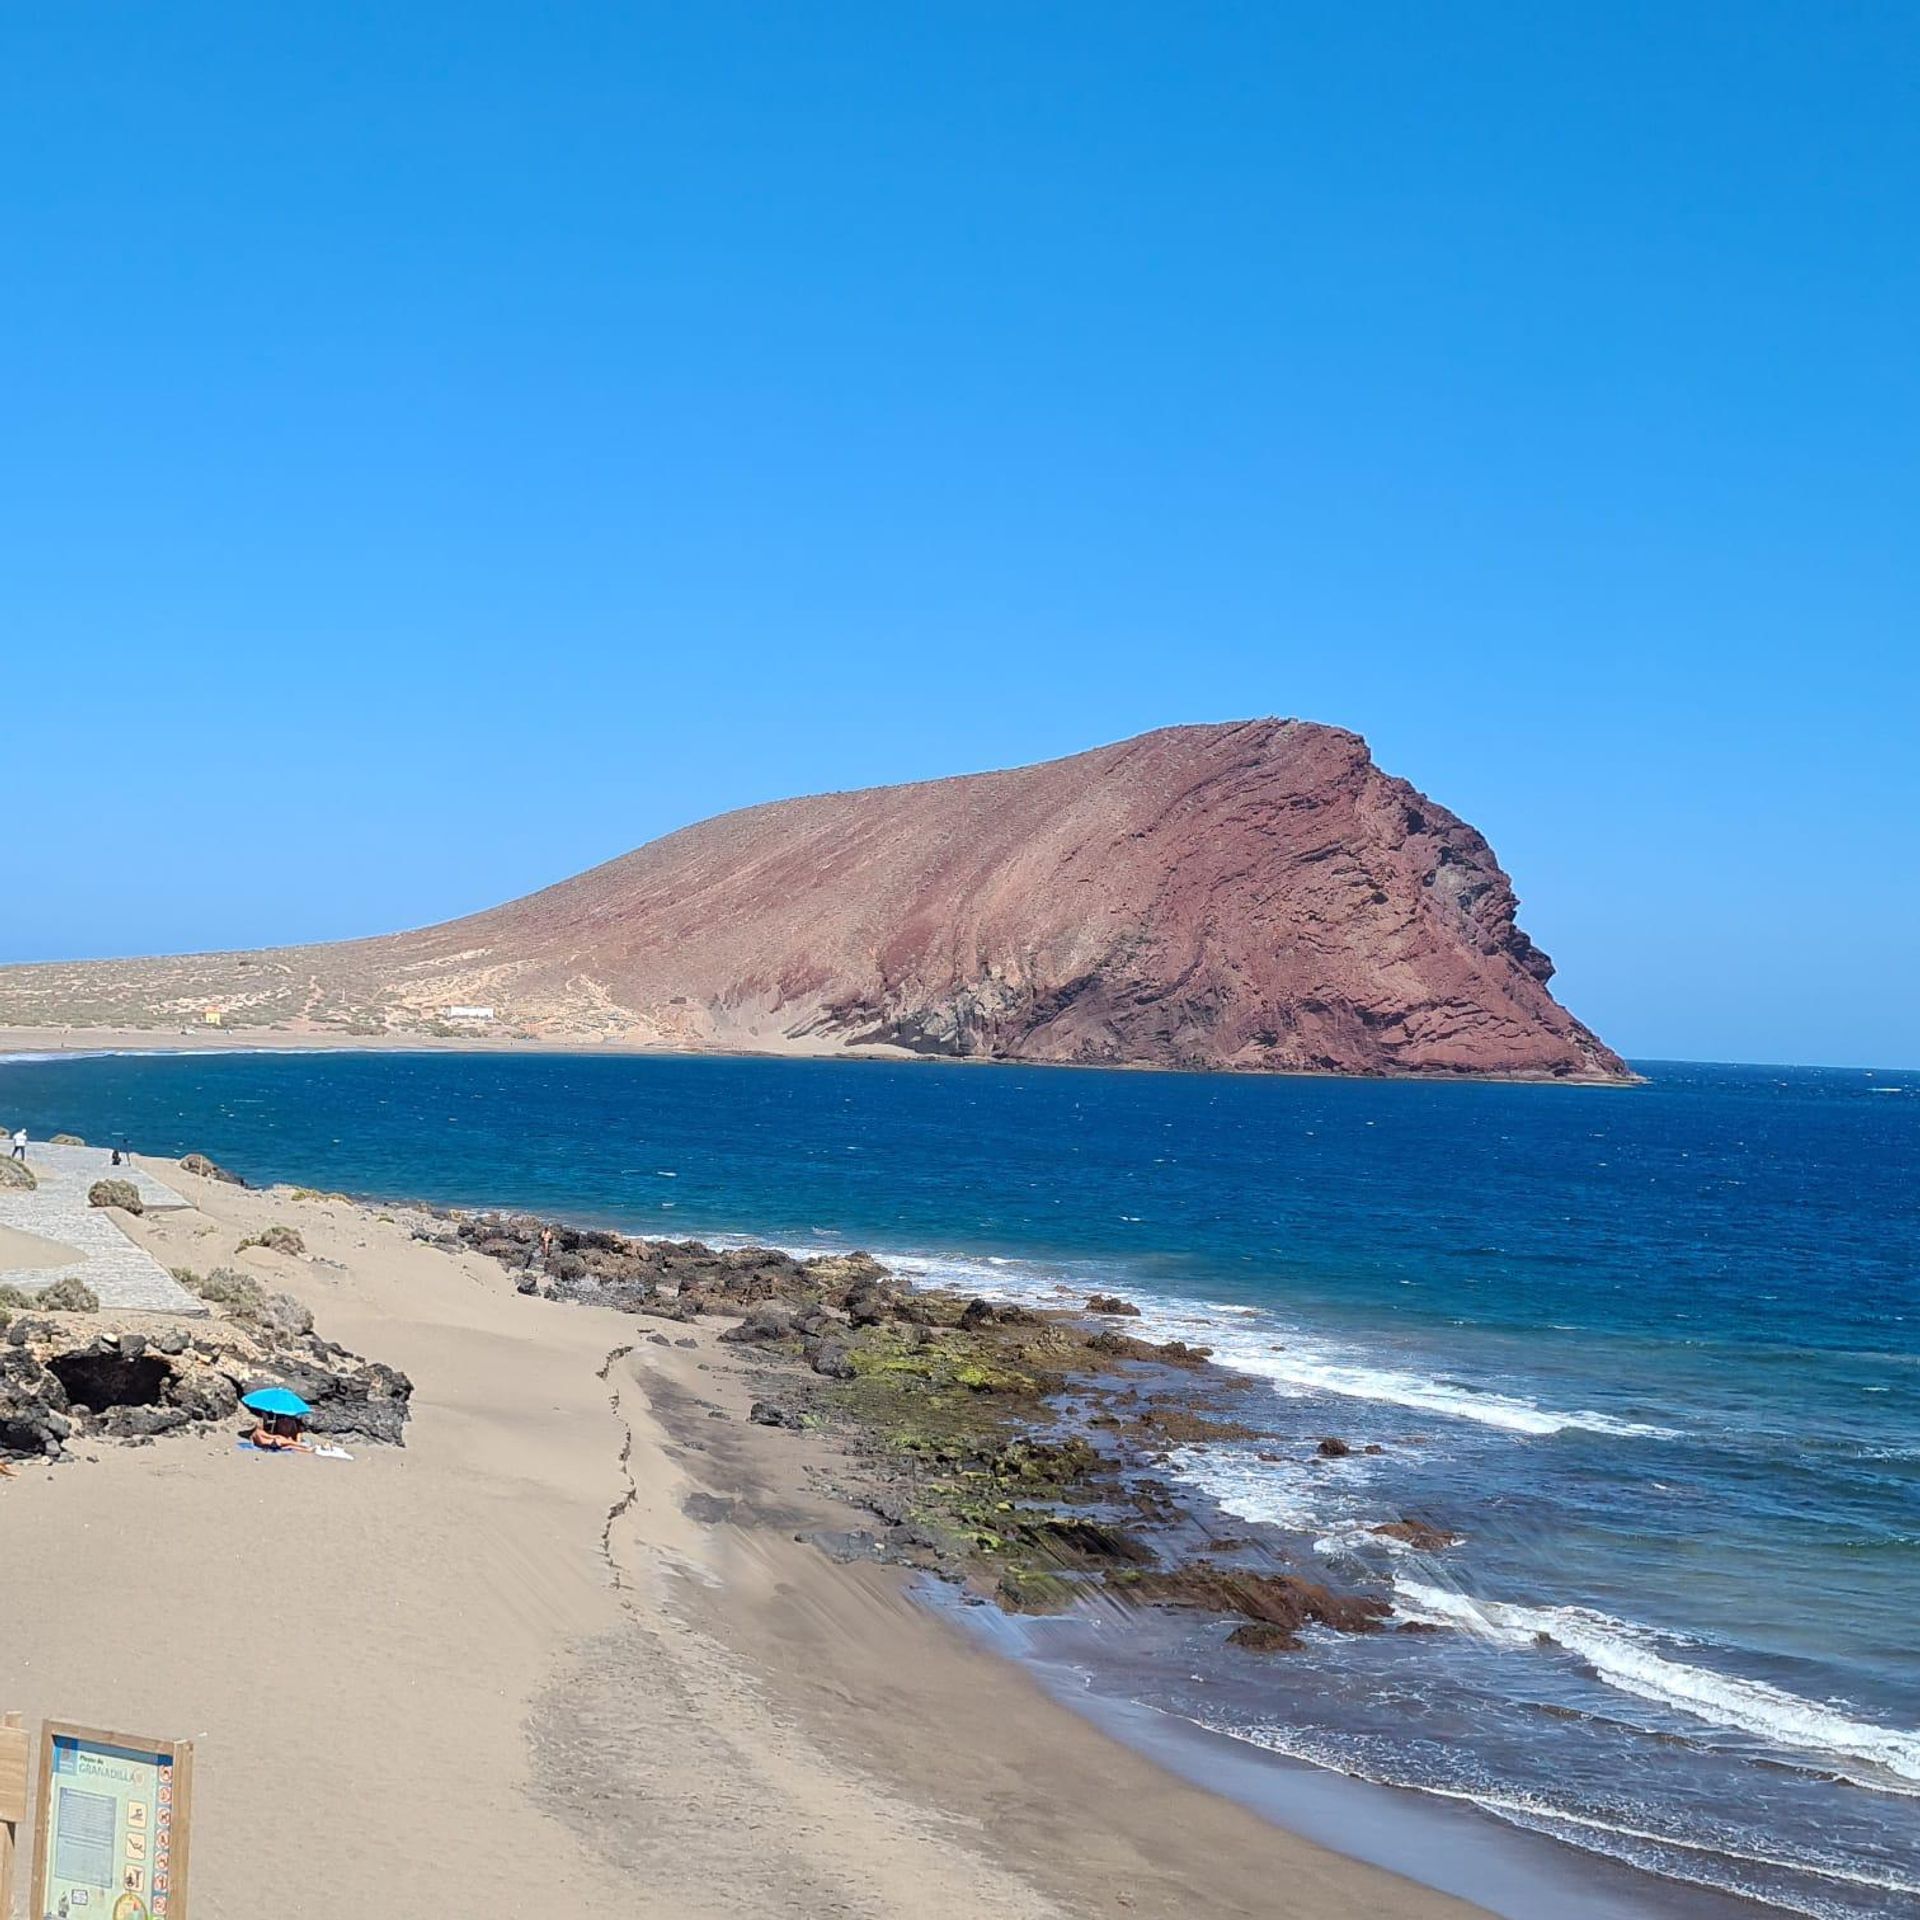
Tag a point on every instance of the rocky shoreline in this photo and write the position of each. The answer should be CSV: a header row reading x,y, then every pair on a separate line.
x,y
1022,1453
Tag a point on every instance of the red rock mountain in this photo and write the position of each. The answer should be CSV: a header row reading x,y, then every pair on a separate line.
x,y
1256,895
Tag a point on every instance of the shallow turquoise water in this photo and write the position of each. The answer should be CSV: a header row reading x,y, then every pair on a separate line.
x,y
1656,1351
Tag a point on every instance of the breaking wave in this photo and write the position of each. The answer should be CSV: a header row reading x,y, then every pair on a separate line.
x,y
1624,1656
1251,1340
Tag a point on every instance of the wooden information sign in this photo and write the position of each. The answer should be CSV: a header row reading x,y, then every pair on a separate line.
x,y
110,1825
13,1801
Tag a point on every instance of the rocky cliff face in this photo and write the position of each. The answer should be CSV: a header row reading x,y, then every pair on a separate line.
x,y
1256,895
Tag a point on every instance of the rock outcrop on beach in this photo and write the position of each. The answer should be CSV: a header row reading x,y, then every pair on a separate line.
x,y
1256,895
68,1371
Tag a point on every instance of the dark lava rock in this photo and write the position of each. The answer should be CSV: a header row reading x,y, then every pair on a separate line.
x,y
366,1402
1111,1303
766,1322
1262,1636
1333,1448
976,1314
1419,1534
1274,1599
140,1423
764,1413
833,1358
206,1395
1179,1354
869,1306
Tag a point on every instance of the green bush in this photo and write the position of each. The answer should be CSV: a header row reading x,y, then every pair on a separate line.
x,y
115,1193
277,1239
71,1295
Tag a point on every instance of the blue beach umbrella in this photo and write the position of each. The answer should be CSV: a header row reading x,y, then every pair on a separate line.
x,y
277,1400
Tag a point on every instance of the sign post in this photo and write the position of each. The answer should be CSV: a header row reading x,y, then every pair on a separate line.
x,y
13,1801
110,1825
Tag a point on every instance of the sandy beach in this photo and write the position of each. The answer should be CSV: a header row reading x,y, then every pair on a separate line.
x,y
563,1653
319,1039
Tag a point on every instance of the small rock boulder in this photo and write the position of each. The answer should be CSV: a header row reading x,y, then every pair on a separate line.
x,y
1421,1535
209,1170
764,1322
868,1306
1262,1636
115,1193
766,1413
1333,1448
1111,1303
833,1357
16,1173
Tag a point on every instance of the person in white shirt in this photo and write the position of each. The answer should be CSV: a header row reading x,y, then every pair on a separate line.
x,y
20,1143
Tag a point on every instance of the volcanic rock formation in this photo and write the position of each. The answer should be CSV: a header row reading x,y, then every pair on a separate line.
x,y
1254,895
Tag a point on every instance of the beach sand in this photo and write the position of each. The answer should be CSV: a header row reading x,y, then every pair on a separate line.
x,y
303,1037
563,1654
26,1252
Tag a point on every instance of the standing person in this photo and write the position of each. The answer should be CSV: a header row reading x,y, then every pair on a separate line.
x,y
19,1143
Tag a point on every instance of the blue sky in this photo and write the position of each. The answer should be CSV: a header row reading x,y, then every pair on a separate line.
x,y
445,447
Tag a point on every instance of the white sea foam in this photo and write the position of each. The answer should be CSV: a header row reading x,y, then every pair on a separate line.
x,y
1611,1839
1627,1657
1291,1360
1253,1489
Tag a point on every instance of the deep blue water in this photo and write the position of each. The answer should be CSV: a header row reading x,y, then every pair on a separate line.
x,y
1655,1351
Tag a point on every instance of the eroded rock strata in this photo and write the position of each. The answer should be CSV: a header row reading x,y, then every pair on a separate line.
x,y
1257,895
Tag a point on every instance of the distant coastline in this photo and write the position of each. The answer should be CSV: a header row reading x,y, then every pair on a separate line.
x,y
76,1042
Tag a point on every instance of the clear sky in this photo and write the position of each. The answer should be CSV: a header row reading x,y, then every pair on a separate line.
x,y
444,446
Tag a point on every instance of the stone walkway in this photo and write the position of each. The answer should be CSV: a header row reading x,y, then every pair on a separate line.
x,y
123,1275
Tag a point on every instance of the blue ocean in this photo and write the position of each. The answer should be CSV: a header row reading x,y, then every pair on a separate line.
x,y
1655,1353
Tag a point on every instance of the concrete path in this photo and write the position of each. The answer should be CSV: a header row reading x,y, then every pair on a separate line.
x,y
123,1275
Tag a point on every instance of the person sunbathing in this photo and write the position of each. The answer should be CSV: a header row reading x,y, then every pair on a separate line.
x,y
279,1433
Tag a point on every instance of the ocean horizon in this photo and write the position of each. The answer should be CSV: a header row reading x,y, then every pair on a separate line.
x,y
1653,1351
